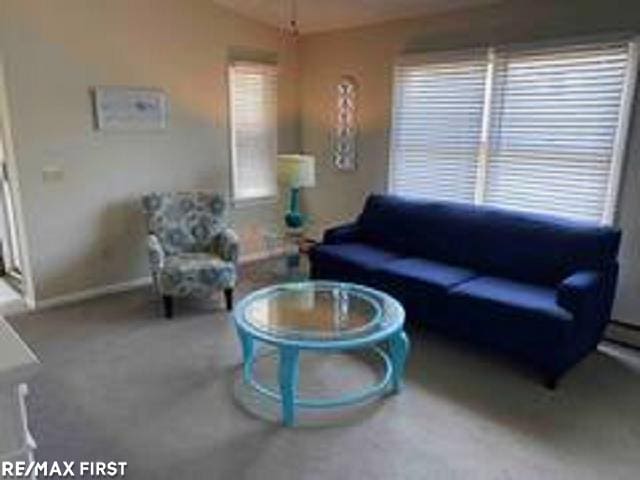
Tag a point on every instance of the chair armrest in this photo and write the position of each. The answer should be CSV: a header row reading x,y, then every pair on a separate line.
x,y
156,253
580,291
226,245
349,232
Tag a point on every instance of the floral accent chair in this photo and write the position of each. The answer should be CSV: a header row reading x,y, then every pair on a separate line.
x,y
191,250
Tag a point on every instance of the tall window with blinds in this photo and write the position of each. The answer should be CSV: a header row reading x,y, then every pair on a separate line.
x,y
253,119
533,128
436,125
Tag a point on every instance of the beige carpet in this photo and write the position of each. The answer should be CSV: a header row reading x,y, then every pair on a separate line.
x,y
121,383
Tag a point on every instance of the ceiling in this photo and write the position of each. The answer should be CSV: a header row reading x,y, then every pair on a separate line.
x,y
319,15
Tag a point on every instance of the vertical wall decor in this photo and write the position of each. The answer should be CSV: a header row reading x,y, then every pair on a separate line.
x,y
345,128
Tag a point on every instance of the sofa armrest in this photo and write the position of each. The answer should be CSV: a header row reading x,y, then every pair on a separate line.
x,y
156,253
227,245
349,232
580,292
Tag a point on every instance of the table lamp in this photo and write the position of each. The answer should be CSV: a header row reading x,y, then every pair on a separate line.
x,y
295,172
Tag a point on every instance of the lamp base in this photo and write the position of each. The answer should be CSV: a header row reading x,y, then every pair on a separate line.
x,y
294,219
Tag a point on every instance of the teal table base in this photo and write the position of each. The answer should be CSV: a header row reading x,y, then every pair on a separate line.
x,y
393,360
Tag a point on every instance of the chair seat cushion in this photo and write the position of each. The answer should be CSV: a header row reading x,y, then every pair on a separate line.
x,y
518,315
195,274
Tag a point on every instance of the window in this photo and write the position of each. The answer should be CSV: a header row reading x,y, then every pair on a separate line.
x,y
436,126
534,129
253,109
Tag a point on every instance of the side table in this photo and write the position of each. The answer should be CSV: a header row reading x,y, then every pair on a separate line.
x,y
290,245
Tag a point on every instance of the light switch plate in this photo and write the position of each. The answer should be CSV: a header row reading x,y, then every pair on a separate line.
x,y
52,174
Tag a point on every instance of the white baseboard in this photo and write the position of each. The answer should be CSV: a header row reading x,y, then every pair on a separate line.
x,y
130,284
11,301
12,307
262,255
91,293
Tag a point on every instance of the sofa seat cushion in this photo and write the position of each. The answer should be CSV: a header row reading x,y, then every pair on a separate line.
x,y
513,313
421,276
421,285
356,254
517,297
350,262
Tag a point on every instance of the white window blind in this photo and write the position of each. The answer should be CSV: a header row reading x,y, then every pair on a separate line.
x,y
436,125
552,134
553,128
253,112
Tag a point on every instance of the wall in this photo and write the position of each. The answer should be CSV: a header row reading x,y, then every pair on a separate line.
x,y
85,230
368,53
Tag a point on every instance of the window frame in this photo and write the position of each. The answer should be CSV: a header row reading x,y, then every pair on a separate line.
x,y
233,154
621,139
483,160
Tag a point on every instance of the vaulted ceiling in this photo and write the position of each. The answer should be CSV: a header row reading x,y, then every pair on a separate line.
x,y
319,15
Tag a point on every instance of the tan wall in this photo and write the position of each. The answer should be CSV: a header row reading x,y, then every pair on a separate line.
x,y
368,54
86,230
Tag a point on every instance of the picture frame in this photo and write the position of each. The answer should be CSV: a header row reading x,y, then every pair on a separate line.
x,y
119,108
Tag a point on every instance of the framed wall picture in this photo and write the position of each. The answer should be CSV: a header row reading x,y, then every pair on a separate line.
x,y
130,108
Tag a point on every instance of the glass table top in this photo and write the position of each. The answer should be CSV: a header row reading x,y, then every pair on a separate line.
x,y
319,310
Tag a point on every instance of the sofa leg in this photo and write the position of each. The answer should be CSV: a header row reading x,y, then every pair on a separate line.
x,y
167,301
228,297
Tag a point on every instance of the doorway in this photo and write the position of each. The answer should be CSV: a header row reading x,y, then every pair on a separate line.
x,y
9,245
11,268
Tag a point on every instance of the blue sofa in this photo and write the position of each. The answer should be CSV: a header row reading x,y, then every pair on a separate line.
x,y
537,287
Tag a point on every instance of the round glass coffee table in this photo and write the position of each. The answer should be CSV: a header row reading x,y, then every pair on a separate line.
x,y
321,316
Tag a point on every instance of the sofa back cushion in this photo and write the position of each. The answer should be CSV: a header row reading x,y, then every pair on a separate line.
x,y
529,247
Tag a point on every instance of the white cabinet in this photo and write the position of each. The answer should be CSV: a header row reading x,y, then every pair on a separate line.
x,y
17,364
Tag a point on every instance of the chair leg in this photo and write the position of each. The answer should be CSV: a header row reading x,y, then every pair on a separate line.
x,y
228,297
551,382
168,306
